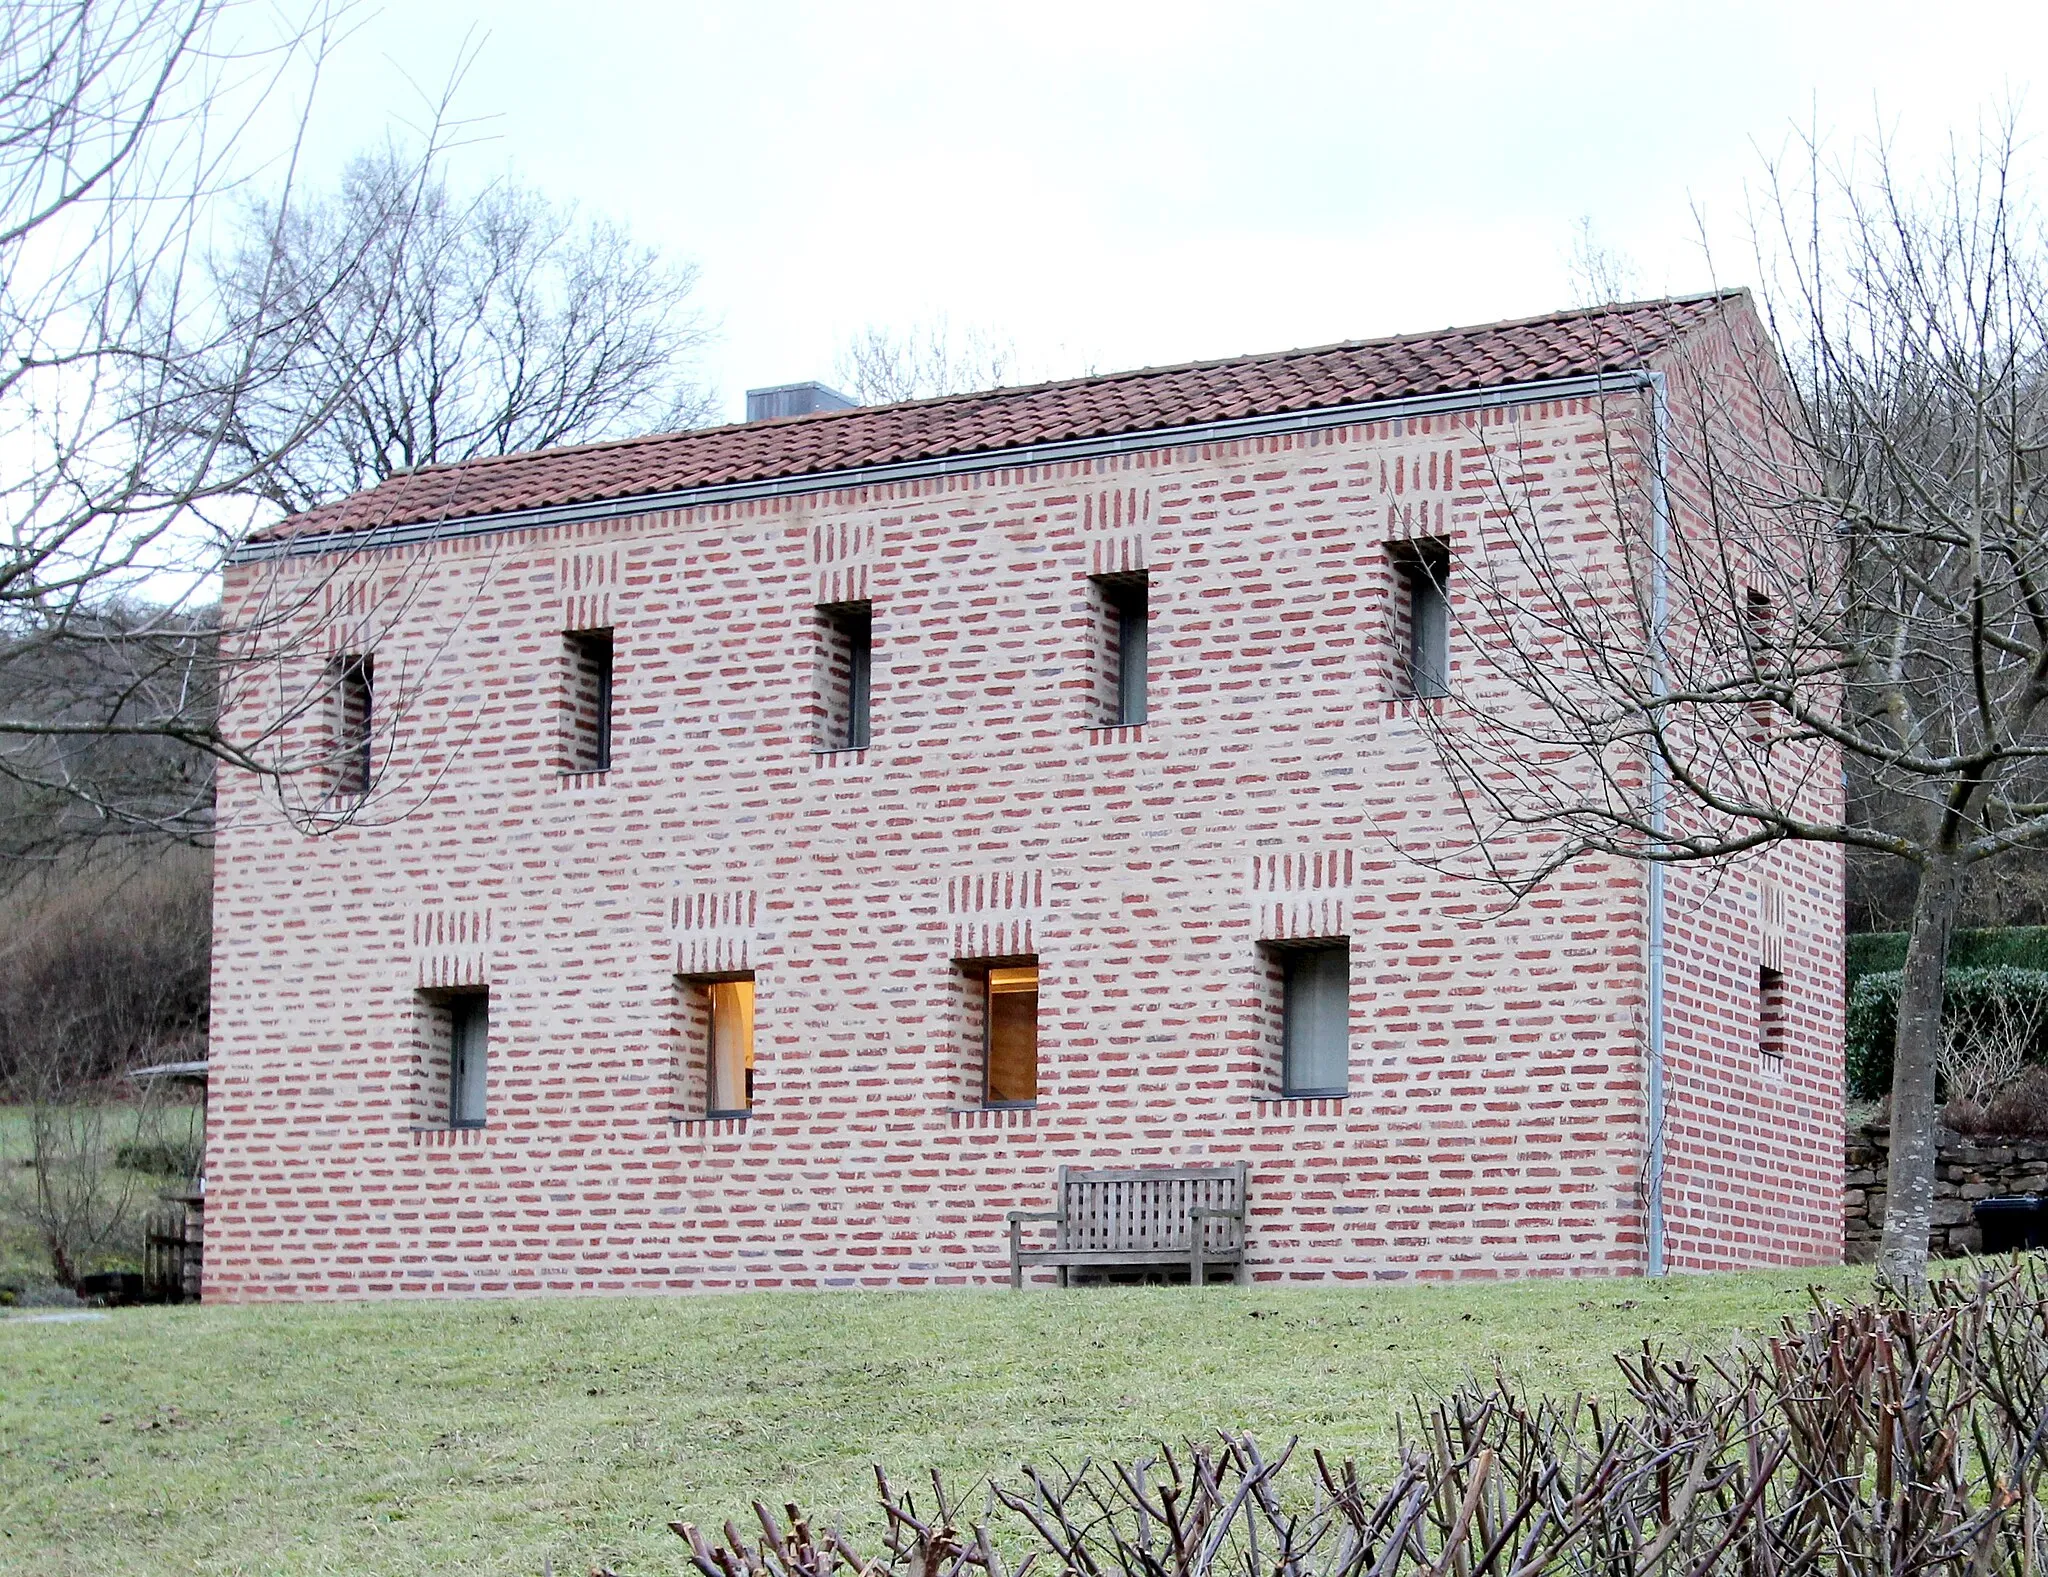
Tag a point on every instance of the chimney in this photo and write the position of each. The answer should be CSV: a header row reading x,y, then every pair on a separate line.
x,y
794,399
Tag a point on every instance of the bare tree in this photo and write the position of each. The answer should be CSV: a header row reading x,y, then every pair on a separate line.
x,y
1842,556
123,128
162,396
1600,274
880,366
480,325
157,401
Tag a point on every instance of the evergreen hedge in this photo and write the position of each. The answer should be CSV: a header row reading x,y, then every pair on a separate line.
x,y
1874,1013
2011,947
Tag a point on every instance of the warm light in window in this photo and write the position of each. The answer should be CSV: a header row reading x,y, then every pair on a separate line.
x,y
1012,1019
732,1045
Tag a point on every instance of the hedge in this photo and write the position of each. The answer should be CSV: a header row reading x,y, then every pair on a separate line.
x,y
160,1159
1874,1007
2012,947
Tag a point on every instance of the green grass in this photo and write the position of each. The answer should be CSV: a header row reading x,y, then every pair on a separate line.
x,y
485,1437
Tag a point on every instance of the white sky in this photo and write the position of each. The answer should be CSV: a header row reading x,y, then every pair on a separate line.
x,y
1118,184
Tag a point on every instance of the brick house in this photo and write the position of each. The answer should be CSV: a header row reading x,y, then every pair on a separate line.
x,y
771,852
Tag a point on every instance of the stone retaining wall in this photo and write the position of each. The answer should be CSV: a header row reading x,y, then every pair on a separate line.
x,y
1967,1170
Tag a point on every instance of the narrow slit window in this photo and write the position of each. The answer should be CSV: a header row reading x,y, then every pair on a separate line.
x,y
1762,663
355,761
589,654
731,1036
1771,1024
1315,1056
1426,580
1010,1031
1127,606
1762,621
845,674
468,1058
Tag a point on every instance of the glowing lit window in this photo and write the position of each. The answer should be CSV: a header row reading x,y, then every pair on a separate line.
x,y
1011,1035
732,1047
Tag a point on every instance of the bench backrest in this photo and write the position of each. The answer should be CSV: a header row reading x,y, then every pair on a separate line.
x,y
1134,1209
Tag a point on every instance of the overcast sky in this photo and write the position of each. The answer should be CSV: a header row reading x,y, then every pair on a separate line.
x,y
1114,185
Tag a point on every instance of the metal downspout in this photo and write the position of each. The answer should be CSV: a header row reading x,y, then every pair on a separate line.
x,y
1659,789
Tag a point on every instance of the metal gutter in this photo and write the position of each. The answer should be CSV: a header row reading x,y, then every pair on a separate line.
x,y
1660,787
944,465
170,1070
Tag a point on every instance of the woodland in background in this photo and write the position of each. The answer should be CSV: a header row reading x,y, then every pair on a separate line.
x,y
103,968
105,927
2013,891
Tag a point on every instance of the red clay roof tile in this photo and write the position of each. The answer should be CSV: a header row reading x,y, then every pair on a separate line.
x,y
1561,345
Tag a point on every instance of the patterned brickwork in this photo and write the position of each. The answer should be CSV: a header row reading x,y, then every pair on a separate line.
x,y
1495,1120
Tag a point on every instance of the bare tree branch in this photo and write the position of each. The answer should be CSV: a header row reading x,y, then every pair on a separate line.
x,y
881,366
477,325
1837,557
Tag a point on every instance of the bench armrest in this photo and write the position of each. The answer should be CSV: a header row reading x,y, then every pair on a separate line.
x,y
1200,1211
1017,1218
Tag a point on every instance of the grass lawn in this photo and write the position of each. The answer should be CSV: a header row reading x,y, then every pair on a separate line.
x,y
484,1437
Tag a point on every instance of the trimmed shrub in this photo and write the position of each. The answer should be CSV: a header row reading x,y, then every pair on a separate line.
x,y
1979,1002
2013,946
1874,953
159,1157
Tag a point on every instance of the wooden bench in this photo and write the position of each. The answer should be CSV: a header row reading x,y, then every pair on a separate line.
x,y
1140,1216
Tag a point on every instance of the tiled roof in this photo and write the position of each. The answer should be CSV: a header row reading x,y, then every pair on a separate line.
x,y
1561,345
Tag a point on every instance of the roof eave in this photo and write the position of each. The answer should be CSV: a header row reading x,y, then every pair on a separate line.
x,y
453,528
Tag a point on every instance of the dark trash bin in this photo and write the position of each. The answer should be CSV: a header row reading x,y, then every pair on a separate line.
x,y
2012,1222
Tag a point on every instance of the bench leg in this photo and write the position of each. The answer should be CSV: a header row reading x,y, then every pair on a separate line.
x,y
1016,1256
1198,1269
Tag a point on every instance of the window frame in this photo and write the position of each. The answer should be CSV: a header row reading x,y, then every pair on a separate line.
x,y
1129,598
597,647
1424,566
468,1011
356,697
846,628
1291,959
711,985
987,972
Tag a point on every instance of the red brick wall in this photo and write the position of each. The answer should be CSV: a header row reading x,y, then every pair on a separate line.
x,y
1752,1176
1495,1125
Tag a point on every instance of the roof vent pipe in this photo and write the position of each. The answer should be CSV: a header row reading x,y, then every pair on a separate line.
x,y
794,399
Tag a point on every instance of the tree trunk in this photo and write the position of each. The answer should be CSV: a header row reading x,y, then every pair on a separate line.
x,y
1909,1184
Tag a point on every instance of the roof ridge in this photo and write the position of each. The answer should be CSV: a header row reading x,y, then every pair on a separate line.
x,y
1574,342
934,401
